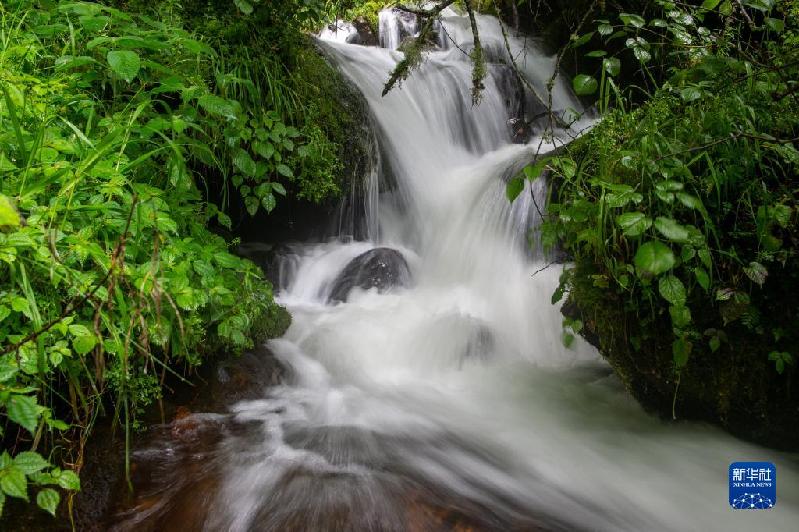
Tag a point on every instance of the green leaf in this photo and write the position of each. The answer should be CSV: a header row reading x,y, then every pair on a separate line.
x,y
605,29
654,258
269,202
251,203
48,500
641,54
218,106
671,229
672,290
632,20
690,94
30,462
681,350
244,6
622,198
124,63
284,170
67,479
690,201
612,66
24,411
710,5
774,24
9,217
715,343
244,162
633,223
13,482
277,187
514,187
584,85
84,344
702,278
756,272
534,171
680,316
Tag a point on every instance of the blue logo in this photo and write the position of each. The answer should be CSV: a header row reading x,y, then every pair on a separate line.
x,y
753,485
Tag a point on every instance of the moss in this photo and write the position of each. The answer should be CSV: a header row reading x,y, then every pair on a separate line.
x,y
735,387
273,323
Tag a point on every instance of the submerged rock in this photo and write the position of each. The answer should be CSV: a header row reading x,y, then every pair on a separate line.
x,y
380,268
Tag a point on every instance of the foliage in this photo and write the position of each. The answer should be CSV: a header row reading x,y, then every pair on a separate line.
x,y
110,125
686,206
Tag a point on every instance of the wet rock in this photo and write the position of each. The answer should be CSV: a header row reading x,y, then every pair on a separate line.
x,y
364,32
380,268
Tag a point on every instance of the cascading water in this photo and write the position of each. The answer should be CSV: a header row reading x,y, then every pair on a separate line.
x,y
451,402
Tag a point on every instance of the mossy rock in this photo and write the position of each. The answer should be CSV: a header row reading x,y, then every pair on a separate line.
x,y
736,387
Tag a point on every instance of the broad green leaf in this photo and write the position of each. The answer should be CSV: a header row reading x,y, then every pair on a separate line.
x,y
681,350
605,29
620,199
514,187
284,170
9,217
48,499
672,290
24,411
774,24
584,85
612,66
218,106
680,316
689,200
710,5
756,272
67,479
84,344
633,223
30,462
244,6
702,278
715,343
13,482
641,54
251,203
654,258
632,20
269,202
690,94
124,63
279,188
244,162
534,171
671,229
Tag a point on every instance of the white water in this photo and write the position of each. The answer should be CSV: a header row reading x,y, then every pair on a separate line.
x,y
390,393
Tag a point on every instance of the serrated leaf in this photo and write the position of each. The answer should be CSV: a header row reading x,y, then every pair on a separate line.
x,y
48,499
680,316
633,223
641,54
67,479
244,162
30,462
605,29
279,188
514,187
689,200
251,203
756,272
654,258
672,290
124,63
584,85
24,411
13,483
671,229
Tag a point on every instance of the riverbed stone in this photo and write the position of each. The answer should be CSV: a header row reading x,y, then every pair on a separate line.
x,y
380,268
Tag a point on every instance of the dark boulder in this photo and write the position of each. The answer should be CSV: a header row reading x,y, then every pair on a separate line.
x,y
380,268
366,35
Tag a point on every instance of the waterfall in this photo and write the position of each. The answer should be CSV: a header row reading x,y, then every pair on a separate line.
x,y
451,401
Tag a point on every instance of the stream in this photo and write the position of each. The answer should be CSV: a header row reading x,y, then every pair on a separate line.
x,y
446,401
